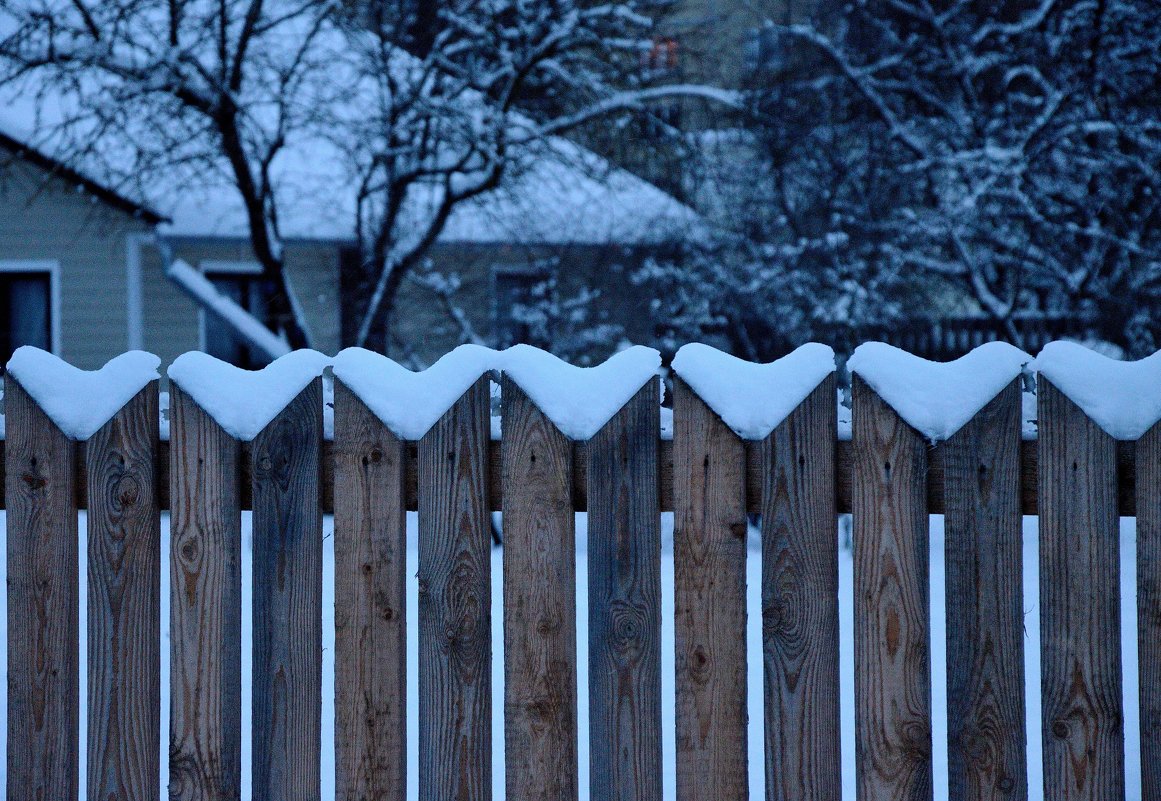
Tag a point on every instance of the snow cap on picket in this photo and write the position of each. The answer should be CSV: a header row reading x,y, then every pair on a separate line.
x,y
408,402
1123,398
937,398
751,398
79,401
243,402
580,400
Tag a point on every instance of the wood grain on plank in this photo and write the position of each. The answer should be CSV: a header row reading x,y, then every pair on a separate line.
x,y
709,554
205,724
540,680
370,603
124,626
455,637
287,523
892,627
1149,607
985,615
624,548
1080,634
43,659
800,629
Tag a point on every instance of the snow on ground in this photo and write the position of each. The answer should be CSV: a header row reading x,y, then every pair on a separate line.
x,y
243,402
937,398
1086,377
753,399
754,652
57,386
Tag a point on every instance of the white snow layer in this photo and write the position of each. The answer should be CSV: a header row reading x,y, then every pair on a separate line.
x,y
410,403
753,399
243,402
1123,398
79,401
937,398
580,400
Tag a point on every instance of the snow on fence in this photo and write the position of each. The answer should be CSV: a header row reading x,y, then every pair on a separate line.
x,y
746,438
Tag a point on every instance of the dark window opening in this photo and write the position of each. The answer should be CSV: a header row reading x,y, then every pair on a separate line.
x,y
25,312
515,306
252,293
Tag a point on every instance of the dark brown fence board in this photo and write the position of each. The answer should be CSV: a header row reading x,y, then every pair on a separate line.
x,y
43,663
455,640
124,626
1149,607
624,549
709,564
540,680
370,604
983,559
1080,634
205,725
892,627
287,525
800,626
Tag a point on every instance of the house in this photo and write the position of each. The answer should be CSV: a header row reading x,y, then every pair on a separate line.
x,y
82,273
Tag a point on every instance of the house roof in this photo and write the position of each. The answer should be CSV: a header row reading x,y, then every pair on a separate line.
x,y
110,197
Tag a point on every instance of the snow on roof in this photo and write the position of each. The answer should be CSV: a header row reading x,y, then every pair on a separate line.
x,y
937,398
753,399
1089,378
580,400
79,401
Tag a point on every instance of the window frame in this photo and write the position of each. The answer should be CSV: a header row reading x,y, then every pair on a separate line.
x,y
231,267
52,268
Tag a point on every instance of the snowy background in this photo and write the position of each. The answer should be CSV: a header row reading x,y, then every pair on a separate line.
x,y
757,781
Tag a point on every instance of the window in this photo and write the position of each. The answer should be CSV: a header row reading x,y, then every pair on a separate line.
x,y
662,58
514,305
27,291
241,282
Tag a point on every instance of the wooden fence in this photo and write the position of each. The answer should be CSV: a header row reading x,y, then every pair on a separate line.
x,y
798,478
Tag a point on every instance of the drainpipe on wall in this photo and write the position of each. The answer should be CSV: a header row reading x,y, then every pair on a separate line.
x,y
135,245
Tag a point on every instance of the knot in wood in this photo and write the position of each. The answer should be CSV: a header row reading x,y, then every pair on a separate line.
x,y
127,490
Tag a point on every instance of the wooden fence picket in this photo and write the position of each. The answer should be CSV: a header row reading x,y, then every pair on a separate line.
x,y
43,608
624,549
370,604
1149,607
892,626
287,524
540,679
124,626
709,564
987,758
205,748
800,626
455,637
1080,633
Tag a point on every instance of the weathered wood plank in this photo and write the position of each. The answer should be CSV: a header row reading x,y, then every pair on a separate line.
x,y
43,663
455,678
892,627
540,681
1149,607
987,755
205,724
709,563
370,603
1080,634
288,601
624,548
1126,497
800,627
124,626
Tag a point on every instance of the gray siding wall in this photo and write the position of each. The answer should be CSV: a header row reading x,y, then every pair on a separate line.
x,y
45,217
